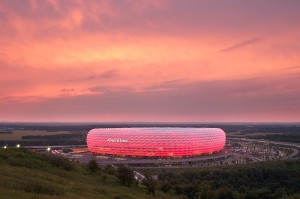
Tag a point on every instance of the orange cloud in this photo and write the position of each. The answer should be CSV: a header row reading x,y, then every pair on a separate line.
x,y
53,50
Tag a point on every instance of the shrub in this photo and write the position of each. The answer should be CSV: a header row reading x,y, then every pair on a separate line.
x,y
3,156
165,187
150,183
93,166
60,162
109,169
117,197
126,175
104,178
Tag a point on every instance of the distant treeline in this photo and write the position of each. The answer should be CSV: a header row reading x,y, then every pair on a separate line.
x,y
54,142
287,137
5,132
279,129
75,136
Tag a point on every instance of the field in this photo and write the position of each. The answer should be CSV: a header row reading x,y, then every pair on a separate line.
x,y
17,134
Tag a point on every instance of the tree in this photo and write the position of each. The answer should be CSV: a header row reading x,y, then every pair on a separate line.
x,y
150,183
109,169
125,175
205,191
93,166
225,193
166,187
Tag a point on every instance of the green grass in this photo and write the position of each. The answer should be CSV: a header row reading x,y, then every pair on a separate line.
x,y
25,174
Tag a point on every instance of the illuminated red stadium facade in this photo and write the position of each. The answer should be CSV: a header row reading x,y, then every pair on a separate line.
x,y
156,142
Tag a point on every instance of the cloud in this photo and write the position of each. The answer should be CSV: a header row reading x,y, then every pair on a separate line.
x,y
105,75
67,91
240,45
22,99
292,68
105,89
166,85
251,99
147,58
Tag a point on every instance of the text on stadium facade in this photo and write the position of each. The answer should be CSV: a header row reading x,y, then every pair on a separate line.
x,y
116,140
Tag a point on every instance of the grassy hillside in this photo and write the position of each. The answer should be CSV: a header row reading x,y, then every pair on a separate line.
x,y
25,174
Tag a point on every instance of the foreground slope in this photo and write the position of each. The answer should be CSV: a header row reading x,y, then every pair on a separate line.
x,y
25,174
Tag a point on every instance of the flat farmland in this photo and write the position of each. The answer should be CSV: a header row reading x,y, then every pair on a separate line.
x,y
17,134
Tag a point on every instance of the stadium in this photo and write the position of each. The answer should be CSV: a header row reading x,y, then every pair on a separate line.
x,y
156,142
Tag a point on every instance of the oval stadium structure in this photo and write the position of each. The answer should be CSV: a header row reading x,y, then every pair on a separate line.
x,y
156,142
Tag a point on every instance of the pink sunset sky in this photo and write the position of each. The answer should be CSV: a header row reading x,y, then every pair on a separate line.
x,y
150,60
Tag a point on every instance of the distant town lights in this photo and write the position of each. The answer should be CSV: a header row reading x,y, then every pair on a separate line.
x,y
5,147
18,145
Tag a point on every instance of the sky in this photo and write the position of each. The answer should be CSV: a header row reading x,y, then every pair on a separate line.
x,y
151,61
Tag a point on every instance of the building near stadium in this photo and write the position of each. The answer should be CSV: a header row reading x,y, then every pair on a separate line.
x,y
156,142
